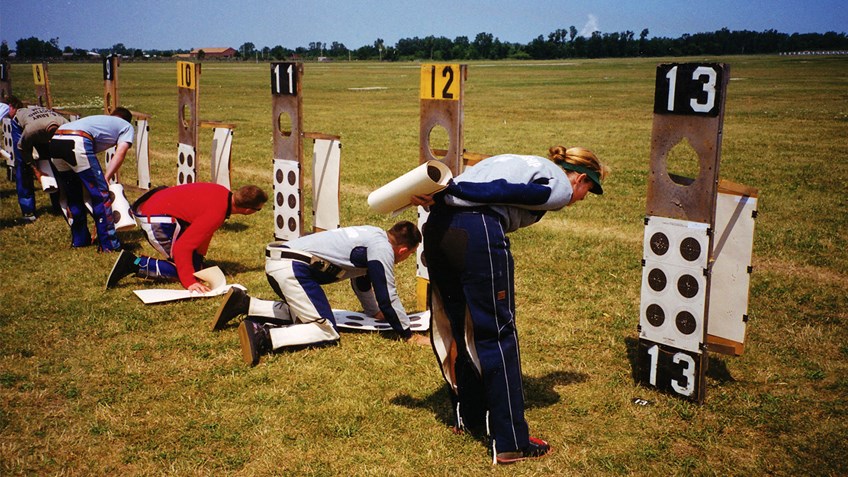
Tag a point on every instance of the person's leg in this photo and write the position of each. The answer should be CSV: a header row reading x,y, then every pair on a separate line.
x,y
101,204
445,249
488,285
23,178
75,212
312,316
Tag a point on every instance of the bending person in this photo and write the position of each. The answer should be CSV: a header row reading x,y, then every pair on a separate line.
x,y
297,269
472,291
179,222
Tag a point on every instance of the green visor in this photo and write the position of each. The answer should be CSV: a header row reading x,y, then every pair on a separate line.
x,y
591,174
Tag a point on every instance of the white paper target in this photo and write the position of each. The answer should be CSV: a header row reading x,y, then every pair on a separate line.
x,y
326,164
7,142
287,200
142,153
186,164
673,298
353,320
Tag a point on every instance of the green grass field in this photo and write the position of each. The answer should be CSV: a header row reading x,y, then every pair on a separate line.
x,y
93,382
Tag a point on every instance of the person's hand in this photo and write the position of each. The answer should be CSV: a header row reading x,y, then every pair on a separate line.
x,y
199,287
379,316
418,339
423,200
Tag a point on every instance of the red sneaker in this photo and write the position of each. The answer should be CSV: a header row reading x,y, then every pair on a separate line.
x,y
537,448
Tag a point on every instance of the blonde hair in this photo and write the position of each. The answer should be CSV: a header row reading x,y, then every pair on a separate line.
x,y
578,156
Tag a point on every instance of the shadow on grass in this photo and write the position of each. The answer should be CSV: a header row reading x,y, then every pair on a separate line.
x,y
539,391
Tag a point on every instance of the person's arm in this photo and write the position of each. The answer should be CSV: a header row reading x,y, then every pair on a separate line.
x,y
118,159
196,237
500,191
383,287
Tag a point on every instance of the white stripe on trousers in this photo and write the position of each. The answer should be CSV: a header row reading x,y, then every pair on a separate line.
x,y
309,327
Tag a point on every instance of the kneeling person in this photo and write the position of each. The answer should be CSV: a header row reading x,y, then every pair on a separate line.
x,y
179,222
296,271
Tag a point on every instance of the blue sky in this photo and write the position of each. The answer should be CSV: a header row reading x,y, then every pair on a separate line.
x,y
186,24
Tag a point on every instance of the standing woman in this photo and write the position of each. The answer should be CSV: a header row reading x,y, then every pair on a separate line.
x,y
471,273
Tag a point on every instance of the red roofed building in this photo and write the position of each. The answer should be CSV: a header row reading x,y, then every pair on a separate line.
x,y
214,52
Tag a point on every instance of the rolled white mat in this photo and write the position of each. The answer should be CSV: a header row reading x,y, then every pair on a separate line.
x,y
48,182
121,213
394,197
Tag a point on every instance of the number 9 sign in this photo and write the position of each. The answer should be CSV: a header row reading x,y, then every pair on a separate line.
x,y
690,88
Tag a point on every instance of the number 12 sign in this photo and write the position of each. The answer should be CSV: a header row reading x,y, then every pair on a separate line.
x,y
689,88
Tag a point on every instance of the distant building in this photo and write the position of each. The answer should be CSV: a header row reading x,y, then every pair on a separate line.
x,y
214,52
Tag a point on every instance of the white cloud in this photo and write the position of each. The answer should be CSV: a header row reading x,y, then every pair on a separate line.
x,y
590,26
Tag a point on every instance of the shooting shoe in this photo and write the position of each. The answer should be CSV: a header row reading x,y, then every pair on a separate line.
x,y
124,265
236,302
536,448
255,341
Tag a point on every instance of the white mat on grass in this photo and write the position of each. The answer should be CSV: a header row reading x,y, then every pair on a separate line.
x,y
213,276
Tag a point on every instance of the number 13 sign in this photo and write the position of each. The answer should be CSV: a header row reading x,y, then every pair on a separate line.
x,y
689,88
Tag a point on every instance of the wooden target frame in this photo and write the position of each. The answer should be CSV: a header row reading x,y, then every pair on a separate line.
x,y
287,121
110,82
442,100
42,85
679,230
188,123
5,80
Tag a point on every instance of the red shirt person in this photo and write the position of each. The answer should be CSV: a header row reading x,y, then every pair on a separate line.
x,y
180,222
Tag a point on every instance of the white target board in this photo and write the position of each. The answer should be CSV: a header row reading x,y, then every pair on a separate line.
x,y
353,320
673,301
142,153
731,272
326,166
222,144
186,164
287,219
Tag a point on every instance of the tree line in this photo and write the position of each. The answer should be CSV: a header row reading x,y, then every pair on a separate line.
x,y
559,44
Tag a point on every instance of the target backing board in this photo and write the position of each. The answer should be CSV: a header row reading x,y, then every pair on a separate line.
x,y
222,146
326,169
142,150
287,116
108,155
736,211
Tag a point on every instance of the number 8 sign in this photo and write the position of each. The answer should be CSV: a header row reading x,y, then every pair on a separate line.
x,y
689,88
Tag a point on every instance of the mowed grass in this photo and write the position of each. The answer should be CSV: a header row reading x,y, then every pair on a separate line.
x,y
93,382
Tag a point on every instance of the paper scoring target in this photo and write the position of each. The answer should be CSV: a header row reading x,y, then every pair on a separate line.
x,y
353,320
673,298
287,210
186,164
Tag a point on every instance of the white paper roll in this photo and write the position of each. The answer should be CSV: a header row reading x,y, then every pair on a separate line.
x,y
121,213
428,178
